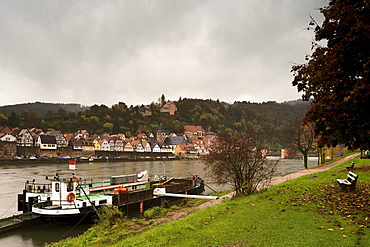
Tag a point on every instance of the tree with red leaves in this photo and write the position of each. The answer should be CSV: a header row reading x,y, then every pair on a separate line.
x,y
336,75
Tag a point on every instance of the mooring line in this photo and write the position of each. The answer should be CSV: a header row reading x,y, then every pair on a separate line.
x,y
8,209
74,226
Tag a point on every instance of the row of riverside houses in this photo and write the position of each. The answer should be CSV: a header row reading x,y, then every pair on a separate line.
x,y
193,142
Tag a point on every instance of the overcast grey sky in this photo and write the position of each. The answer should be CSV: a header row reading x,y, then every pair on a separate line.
x,y
105,52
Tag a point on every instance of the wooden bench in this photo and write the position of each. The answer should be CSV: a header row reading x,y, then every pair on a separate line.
x,y
351,166
349,183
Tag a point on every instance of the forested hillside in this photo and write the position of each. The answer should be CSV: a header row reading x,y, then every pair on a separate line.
x,y
42,109
272,121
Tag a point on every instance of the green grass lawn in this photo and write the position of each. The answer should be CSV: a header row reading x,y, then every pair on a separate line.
x,y
307,211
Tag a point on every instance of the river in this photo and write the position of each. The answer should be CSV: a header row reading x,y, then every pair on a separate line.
x,y
13,177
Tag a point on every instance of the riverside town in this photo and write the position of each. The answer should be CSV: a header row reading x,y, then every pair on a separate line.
x,y
34,143
243,165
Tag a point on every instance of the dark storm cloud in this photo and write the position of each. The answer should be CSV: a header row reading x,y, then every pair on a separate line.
x,y
133,51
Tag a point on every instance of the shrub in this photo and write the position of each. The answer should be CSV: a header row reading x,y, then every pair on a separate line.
x,y
154,212
109,215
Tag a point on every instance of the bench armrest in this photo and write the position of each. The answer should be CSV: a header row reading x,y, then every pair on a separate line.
x,y
353,174
343,181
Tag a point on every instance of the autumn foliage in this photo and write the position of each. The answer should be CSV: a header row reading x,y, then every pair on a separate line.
x,y
353,207
336,75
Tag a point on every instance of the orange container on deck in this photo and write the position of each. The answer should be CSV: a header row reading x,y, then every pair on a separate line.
x,y
121,190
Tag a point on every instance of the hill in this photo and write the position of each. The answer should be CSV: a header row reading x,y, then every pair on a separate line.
x,y
298,104
43,109
272,121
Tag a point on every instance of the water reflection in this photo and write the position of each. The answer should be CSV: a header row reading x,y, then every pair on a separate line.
x,y
38,236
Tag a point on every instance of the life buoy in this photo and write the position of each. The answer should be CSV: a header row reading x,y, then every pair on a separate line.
x,y
71,197
140,175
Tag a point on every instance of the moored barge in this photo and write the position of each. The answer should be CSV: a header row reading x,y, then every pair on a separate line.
x,y
132,194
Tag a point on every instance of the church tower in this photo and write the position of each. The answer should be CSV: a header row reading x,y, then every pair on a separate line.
x,y
161,134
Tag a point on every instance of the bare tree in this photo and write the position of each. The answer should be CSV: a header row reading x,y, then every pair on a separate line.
x,y
238,159
304,140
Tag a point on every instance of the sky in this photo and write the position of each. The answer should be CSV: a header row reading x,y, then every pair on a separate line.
x,y
133,51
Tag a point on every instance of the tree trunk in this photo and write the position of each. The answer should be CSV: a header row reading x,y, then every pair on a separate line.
x,y
305,160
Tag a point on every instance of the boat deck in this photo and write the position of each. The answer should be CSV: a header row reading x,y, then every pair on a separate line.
x,y
91,196
15,221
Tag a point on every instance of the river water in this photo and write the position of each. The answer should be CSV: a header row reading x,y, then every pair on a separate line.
x,y
13,177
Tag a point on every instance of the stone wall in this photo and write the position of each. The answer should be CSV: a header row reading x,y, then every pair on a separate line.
x,y
8,150
28,151
60,152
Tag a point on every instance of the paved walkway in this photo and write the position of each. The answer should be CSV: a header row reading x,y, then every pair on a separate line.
x,y
279,180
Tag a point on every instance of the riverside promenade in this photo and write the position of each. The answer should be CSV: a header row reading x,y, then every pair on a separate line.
x,y
284,178
294,175
274,181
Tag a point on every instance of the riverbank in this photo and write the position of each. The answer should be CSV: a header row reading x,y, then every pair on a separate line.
x,y
45,160
295,212
17,174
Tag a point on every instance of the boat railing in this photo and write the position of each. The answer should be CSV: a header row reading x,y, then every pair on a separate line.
x,y
38,188
42,204
123,179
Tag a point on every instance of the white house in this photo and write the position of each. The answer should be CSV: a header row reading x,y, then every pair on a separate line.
x,y
25,139
8,138
166,148
156,148
61,140
146,146
47,142
104,145
139,148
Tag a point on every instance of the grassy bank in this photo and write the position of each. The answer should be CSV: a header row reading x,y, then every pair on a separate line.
x,y
307,211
